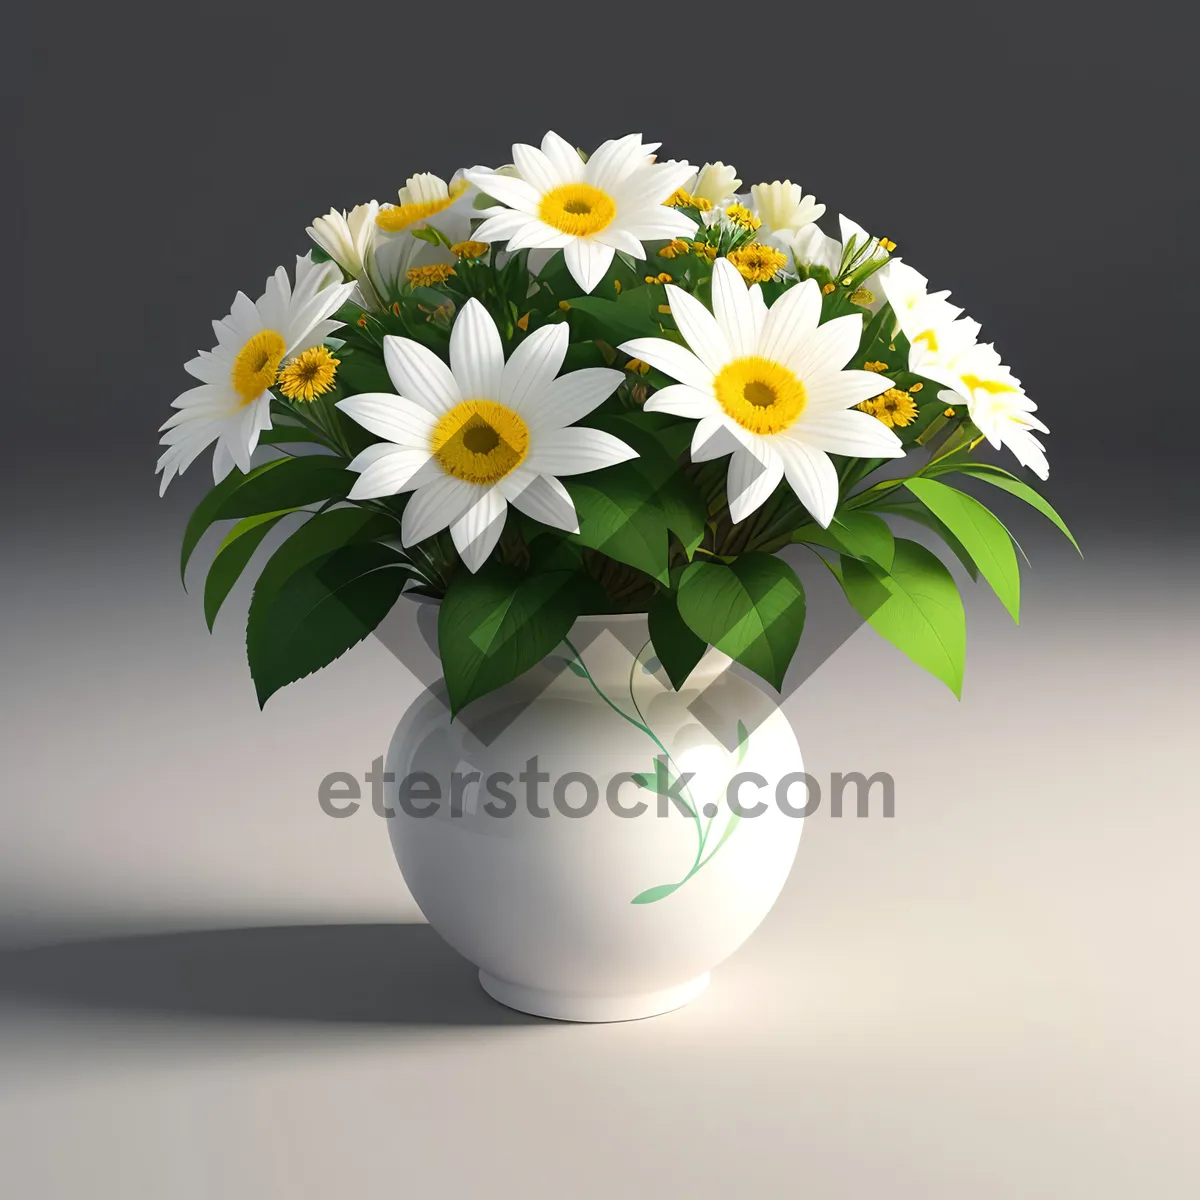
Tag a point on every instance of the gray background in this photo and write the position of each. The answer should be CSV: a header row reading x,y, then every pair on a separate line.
x,y
991,994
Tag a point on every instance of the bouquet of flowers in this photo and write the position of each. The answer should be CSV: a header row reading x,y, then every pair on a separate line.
x,y
598,383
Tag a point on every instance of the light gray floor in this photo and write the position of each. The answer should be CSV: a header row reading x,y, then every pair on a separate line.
x,y
994,994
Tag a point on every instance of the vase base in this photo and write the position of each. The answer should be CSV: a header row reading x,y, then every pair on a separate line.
x,y
566,1006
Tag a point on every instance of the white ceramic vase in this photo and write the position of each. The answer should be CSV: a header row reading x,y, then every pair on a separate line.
x,y
537,872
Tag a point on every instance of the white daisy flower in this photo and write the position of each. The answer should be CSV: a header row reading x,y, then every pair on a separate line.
x,y
714,182
767,386
931,323
996,403
232,405
783,207
425,200
346,237
471,438
556,201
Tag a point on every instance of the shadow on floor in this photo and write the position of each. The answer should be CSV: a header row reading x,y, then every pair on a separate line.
x,y
352,974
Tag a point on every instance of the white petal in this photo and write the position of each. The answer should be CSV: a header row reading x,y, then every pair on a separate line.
x,y
828,348
563,157
620,239
790,321
503,224
476,533
532,365
671,359
222,463
754,473
733,309
614,161
535,234
847,432
571,397
476,352
573,451
419,375
650,224
700,329
395,469
541,497
682,401
716,436
511,192
843,390
587,261
811,476
535,167
434,506
399,420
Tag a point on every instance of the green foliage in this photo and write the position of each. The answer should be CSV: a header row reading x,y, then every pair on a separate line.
x,y
496,624
751,609
232,556
677,647
915,605
854,532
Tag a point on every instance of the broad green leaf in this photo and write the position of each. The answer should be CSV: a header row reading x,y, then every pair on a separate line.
x,y
232,556
650,895
984,537
859,534
630,315
677,647
1006,481
283,435
619,516
361,370
280,483
751,609
914,510
922,614
496,624
323,609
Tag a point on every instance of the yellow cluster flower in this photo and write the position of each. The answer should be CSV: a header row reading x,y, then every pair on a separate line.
x,y
704,250
680,198
661,277
469,249
309,375
741,216
429,276
878,367
894,408
757,263
674,248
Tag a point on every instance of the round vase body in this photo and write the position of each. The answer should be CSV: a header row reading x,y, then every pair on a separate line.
x,y
594,841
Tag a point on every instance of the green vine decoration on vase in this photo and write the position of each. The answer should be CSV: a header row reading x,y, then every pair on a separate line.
x,y
657,781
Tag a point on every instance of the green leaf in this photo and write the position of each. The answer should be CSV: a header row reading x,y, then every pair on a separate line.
x,y
629,316
361,370
278,484
677,647
1008,482
284,434
914,510
323,609
619,516
496,624
922,612
984,537
232,556
751,609
650,895
859,534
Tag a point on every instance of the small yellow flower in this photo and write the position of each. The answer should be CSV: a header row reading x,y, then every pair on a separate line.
x,y
664,309
875,366
916,387
741,216
704,250
862,295
564,305
617,286
674,248
309,375
430,276
684,199
948,413
661,277
828,288
637,366
887,245
469,249
894,408
523,323
757,263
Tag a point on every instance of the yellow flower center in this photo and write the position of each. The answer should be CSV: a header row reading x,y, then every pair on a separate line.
x,y
401,216
758,263
578,209
992,387
431,275
895,408
760,395
309,375
480,441
256,363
